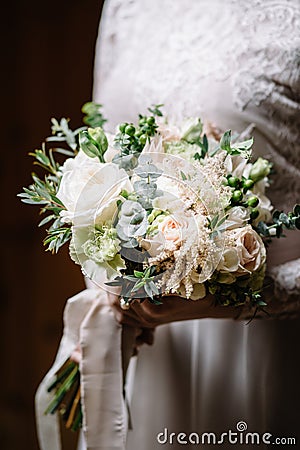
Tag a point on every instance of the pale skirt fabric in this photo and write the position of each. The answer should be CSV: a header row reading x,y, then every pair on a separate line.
x,y
233,63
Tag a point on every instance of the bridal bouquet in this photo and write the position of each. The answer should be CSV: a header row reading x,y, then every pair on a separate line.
x,y
157,208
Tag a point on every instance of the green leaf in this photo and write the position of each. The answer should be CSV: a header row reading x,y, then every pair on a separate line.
x,y
93,115
155,110
183,175
46,220
138,274
296,210
214,222
154,288
205,143
93,142
225,141
41,157
137,286
148,290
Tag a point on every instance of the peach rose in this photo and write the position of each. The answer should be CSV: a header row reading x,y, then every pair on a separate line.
x,y
171,230
251,250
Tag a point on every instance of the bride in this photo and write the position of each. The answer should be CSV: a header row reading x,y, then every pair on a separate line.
x,y
232,63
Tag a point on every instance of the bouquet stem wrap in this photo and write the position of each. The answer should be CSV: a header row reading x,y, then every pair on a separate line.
x,y
106,350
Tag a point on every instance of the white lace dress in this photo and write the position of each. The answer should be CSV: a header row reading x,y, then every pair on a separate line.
x,y
232,62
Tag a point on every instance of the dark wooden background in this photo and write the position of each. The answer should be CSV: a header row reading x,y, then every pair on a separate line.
x,y
46,71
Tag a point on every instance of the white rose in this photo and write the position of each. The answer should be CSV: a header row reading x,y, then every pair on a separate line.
x,y
87,184
250,249
237,218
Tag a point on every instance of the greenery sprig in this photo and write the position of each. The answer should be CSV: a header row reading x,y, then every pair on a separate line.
x,y
139,284
43,191
130,140
281,221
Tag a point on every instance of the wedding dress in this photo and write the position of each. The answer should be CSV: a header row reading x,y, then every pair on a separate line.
x,y
233,63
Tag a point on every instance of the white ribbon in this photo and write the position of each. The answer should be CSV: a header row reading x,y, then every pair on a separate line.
x,y
89,320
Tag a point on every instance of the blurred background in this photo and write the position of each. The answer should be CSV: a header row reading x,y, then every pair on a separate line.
x,y
47,71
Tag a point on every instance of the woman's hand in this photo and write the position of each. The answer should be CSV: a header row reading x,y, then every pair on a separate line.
x,y
146,315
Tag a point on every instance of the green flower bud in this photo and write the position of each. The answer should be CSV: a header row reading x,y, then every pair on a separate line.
x,y
143,139
254,213
253,201
122,127
130,130
237,196
260,169
142,121
248,184
151,120
233,181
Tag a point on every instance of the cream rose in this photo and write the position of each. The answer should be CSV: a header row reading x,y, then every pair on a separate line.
x,y
169,231
250,249
87,184
237,218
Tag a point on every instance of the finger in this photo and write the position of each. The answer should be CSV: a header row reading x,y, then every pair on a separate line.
x,y
125,319
147,336
146,312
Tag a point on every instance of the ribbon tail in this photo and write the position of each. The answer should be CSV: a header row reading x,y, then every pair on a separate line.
x,y
105,416
48,429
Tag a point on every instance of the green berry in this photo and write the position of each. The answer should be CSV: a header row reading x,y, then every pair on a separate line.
x,y
237,196
233,182
130,130
151,120
143,139
253,201
248,184
254,213
122,127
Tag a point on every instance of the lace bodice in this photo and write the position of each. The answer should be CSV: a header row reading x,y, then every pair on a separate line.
x,y
231,62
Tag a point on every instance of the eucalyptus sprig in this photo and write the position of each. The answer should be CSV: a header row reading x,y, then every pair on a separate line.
x,y
281,221
146,186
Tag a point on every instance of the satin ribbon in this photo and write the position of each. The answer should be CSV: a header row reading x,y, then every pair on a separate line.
x,y
89,320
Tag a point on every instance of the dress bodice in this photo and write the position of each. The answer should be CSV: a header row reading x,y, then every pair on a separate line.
x,y
233,63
